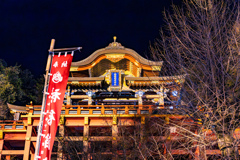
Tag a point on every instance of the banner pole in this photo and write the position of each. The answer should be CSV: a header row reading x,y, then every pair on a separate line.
x,y
49,61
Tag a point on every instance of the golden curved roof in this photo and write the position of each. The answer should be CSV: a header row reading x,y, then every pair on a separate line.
x,y
115,50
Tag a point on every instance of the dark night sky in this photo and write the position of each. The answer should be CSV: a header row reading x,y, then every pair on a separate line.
x,y
27,27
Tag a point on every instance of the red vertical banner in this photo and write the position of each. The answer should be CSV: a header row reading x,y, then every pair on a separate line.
x,y
56,89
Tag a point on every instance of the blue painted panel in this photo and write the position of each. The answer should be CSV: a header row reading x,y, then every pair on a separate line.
x,y
115,79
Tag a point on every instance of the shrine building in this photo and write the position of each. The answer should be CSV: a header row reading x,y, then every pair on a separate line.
x,y
110,94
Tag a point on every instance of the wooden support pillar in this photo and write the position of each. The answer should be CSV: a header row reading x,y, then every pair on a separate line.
x,y
142,127
61,138
1,147
27,143
114,136
85,136
102,109
32,156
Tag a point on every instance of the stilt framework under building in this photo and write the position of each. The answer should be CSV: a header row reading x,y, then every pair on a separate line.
x,y
113,100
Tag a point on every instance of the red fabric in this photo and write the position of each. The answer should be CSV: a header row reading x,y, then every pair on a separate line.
x,y
56,90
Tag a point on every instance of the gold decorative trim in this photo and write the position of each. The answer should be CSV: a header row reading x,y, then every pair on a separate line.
x,y
61,121
1,134
86,120
28,138
115,57
114,119
167,120
74,69
142,120
29,120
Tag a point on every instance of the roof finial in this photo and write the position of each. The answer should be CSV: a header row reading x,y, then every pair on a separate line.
x,y
114,38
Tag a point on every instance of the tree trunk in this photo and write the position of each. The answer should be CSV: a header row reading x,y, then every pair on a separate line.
x,y
228,149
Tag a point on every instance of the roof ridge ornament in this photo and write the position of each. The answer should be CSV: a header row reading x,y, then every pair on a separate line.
x,y
115,44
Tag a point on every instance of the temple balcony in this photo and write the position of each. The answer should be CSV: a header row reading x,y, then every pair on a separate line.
x,y
120,110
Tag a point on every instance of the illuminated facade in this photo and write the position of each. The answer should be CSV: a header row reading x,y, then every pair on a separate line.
x,y
113,89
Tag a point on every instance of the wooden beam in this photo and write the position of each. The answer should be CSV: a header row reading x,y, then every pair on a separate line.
x,y
79,96
179,151
213,152
100,138
14,130
65,49
74,138
12,152
34,139
15,136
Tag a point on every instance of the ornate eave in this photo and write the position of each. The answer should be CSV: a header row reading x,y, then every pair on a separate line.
x,y
115,52
136,81
164,78
85,79
17,109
